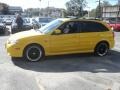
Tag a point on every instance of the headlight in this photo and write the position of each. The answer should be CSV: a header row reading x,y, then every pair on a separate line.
x,y
12,41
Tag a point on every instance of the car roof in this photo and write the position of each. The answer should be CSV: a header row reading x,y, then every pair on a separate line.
x,y
91,20
74,19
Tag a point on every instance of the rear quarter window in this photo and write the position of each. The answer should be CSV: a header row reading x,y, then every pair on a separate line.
x,y
90,26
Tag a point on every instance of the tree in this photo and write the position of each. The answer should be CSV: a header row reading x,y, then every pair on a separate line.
x,y
105,3
4,8
76,7
93,13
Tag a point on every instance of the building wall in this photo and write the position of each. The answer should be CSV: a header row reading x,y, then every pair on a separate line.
x,y
7,16
110,11
51,12
15,9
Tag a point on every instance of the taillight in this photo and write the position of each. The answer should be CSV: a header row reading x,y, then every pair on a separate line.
x,y
113,34
112,28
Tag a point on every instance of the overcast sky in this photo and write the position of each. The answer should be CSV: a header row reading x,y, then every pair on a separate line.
x,y
44,3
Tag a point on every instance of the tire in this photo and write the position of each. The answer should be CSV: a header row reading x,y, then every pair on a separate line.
x,y
33,53
101,49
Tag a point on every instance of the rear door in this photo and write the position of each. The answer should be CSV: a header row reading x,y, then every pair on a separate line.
x,y
90,34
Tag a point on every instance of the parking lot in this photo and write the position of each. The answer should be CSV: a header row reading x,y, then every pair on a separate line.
x,y
66,72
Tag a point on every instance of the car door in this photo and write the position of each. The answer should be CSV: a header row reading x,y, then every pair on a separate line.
x,y
90,35
64,42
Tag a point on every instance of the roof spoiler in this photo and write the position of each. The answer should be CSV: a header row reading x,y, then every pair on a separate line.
x,y
73,17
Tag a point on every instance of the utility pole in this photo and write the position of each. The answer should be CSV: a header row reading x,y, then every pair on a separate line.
x,y
98,13
99,16
48,8
118,8
39,9
118,12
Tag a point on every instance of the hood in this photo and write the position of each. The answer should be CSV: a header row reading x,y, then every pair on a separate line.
x,y
25,34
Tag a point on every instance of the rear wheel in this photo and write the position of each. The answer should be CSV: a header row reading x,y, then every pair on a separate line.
x,y
101,49
33,53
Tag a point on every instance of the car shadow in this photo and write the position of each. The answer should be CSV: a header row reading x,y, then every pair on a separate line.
x,y
72,63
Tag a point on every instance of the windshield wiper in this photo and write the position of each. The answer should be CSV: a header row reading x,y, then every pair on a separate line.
x,y
38,30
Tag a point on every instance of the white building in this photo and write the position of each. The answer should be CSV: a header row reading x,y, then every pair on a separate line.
x,y
51,12
15,9
111,12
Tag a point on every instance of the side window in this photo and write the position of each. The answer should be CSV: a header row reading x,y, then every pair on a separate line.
x,y
69,27
89,26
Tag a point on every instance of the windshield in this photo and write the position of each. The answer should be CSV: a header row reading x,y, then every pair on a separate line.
x,y
50,26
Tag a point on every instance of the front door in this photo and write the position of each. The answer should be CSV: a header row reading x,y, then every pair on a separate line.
x,y
64,43
67,41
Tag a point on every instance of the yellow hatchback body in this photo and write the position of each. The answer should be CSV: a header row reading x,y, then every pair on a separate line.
x,y
62,36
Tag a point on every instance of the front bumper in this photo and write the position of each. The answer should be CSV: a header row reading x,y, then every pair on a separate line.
x,y
14,50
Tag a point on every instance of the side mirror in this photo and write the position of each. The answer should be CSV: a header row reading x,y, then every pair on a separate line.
x,y
57,31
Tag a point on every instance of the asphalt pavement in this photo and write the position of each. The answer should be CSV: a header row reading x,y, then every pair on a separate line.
x,y
66,72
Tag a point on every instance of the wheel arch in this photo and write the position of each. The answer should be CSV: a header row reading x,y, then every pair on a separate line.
x,y
103,41
33,44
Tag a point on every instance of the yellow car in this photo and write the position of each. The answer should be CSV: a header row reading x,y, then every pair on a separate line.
x,y
62,36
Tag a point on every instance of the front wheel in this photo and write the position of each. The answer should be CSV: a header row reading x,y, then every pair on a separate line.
x,y
33,53
101,49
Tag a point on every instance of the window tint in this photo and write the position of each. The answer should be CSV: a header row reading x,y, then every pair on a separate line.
x,y
89,26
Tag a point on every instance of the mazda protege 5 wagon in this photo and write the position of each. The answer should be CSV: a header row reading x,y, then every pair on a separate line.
x,y
62,36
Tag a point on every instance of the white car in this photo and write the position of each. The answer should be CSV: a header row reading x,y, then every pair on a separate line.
x,y
44,20
27,25
8,21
